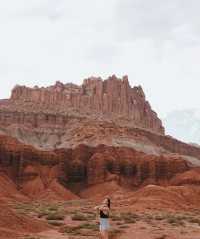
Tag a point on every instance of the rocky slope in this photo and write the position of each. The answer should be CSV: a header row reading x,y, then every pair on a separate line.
x,y
92,132
89,141
30,172
110,100
106,112
135,181
13,225
37,173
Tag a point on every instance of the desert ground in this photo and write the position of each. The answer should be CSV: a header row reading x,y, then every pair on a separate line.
x,y
131,217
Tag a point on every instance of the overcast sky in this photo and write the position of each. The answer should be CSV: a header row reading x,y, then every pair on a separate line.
x,y
155,42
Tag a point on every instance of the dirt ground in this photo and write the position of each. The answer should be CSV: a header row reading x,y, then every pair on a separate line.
x,y
76,219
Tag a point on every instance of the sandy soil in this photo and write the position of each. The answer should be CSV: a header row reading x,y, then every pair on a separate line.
x,y
79,221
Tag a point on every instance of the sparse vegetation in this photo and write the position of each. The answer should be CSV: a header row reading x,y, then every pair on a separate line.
x,y
31,237
194,220
82,229
55,216
55,223
84,225
159,217
123,226
79,217
115,232
129,217
116,217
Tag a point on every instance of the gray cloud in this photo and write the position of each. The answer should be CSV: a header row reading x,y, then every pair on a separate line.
x,y
155,42
159,19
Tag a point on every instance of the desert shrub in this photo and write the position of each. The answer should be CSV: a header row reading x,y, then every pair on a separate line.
x,y
31,237
194,220
114,232
119,223
53,208
76,202
129,217
149,217
90,226
115,217
68,229
42,212
89,215
171,220
55,223
129,220
161,237
159,217
79,217
123,226
175,221
55,216
82,229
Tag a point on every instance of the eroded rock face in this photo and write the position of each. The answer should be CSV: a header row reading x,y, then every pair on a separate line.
x,y
112,99
32,171
108,112
35,172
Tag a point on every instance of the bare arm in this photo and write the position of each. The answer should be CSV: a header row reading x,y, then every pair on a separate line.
x,y
96,208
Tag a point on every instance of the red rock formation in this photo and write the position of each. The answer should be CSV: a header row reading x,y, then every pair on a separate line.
x,y
102,138
132,167
32,172
187,178
113,98
47,174
159,198
106,112
49,131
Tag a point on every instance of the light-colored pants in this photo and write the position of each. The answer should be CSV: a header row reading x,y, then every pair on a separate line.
x,y
104,224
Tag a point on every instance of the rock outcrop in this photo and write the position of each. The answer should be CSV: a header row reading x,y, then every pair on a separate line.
x,y
47,131
112,99
66,142
187,178
32,172
154,197
40,174
108,112
75,138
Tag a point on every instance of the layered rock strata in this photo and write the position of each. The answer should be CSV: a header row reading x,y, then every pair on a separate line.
x,y
112,99
35,172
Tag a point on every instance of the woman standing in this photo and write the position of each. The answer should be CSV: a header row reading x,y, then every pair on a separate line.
x,y
103,213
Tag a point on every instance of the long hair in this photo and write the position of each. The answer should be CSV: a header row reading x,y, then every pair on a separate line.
x,y
109,202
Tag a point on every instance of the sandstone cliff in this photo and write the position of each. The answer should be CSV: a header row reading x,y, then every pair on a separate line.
x,y
112,99
48,131
40,174
108,112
